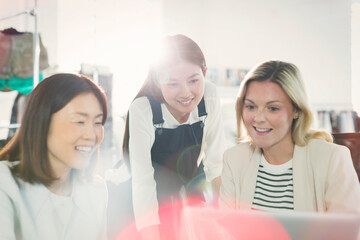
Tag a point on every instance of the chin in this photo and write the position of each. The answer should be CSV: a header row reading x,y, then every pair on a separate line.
x,y
261,144
81,164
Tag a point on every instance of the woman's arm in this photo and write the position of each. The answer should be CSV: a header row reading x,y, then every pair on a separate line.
x,y
103,200
214,144
342,188
7,219
227,190
141,140
215,184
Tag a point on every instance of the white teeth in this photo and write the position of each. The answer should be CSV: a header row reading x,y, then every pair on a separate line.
x,y
262,129
187,102
84,149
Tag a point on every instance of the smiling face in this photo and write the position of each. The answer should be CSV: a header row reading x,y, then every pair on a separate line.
x,y
75,132
268,115
182,89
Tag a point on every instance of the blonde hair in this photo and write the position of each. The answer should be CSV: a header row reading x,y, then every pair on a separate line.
x,y
289,78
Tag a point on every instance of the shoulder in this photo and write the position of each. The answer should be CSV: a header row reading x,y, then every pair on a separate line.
x,y
321,147
239,154
4,167
140,104
324,154
8,183
210,91
5,172
211,98
140,112
210,87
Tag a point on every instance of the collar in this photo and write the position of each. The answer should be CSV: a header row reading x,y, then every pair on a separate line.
x,y
82,196
249,182
302,179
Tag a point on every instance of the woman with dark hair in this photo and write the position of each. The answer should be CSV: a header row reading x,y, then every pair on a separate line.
x,y
48,189
173,137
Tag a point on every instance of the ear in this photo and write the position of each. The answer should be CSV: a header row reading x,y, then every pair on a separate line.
x,y
205,71
296,116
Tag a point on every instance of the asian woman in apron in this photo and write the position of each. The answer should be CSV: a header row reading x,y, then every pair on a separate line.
x,y
173,139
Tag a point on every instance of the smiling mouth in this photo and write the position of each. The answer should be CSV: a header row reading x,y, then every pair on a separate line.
x,y
187,102
84,149
263,130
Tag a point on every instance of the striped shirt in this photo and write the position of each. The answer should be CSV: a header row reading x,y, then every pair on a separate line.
x,y
274,187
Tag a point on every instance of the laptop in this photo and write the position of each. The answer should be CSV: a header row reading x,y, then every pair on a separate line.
x,y
210,223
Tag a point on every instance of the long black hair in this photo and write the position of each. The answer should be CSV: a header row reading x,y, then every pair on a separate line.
x,y
175,48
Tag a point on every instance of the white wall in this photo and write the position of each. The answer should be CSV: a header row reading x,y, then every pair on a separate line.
x,y
315,35
355,54
117,34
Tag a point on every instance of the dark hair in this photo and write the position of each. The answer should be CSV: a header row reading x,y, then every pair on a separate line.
x,y
29,145
175,49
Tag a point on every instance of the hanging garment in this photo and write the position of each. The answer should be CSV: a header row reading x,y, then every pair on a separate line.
x,y
16,54
5,51
22,85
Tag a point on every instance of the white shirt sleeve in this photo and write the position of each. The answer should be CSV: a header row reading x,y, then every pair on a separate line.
x,y
142,137
7,229
214,139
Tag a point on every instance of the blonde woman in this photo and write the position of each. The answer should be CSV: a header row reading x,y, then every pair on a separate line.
x,y
281,164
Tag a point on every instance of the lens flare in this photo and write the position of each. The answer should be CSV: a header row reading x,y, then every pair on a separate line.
x,y
195,222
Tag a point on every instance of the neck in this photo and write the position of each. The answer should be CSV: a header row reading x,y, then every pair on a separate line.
x,y
61,186
279,156
181,118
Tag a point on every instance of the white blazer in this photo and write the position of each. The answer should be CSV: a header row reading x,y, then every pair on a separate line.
x,y
27,212
324,178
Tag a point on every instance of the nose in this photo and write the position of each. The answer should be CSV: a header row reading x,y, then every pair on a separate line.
x,y
184,90
89,132
259,116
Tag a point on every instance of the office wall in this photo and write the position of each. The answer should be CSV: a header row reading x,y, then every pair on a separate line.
x,y
355,55
315,35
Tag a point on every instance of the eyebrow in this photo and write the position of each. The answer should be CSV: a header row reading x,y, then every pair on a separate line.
x,y
85,114
271,102
194,75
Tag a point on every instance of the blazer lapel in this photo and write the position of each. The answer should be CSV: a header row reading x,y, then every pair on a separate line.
x,y
303,180
249,182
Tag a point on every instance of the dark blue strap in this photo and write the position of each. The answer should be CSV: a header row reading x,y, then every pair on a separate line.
x,y
156,110
201,108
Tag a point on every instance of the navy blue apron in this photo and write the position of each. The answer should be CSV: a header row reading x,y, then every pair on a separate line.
x,y
174,155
